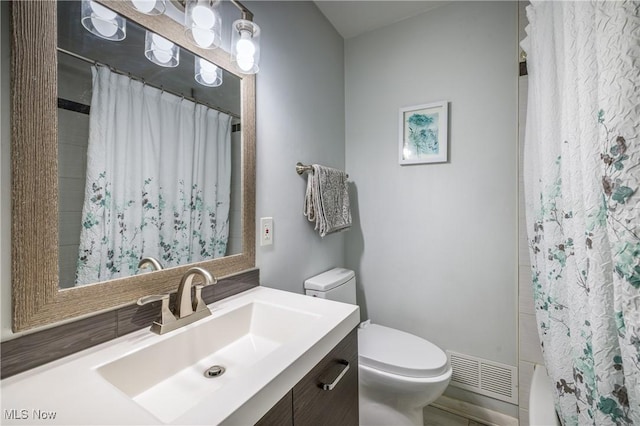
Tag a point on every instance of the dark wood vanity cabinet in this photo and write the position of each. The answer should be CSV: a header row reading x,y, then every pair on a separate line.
x,y
312,405
309,404
280,414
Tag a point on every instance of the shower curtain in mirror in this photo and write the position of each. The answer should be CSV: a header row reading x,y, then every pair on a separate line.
x,y
158,180
582,187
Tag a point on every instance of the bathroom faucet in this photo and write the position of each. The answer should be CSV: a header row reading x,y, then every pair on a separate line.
x,y
150,261
184,305
187,309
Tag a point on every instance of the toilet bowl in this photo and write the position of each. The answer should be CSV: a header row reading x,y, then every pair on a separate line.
x,y
399,373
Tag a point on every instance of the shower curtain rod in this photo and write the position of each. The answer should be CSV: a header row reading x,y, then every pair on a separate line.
x,y
143,81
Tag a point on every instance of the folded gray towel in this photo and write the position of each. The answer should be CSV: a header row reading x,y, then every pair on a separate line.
x,y
327,200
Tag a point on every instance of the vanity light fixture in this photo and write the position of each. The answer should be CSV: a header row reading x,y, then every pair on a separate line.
x,y
207,73
150,7
245,44
202,23
102,22
161,51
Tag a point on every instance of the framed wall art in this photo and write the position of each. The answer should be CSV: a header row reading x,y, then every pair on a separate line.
x,y
423,133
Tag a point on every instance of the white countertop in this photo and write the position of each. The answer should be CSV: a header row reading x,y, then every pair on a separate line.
x,y
71,391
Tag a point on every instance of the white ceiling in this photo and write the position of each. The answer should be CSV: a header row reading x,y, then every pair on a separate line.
x,y
352,18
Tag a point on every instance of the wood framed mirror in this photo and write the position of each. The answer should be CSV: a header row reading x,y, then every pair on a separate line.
x,y
37,298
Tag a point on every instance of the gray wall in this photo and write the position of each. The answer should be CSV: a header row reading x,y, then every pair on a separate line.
x,y
300,100
434,246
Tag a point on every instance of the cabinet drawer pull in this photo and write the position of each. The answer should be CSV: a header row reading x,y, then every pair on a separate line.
x,y
329,386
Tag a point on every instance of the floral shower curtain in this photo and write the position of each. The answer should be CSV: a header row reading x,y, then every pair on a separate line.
x,y
582,188
158,180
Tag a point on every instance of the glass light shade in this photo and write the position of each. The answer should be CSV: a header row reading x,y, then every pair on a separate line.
x,y
207,73
203,23
150,7
102,22
245,46
161,51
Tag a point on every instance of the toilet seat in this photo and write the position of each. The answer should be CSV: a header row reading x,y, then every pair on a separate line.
x,y
396,352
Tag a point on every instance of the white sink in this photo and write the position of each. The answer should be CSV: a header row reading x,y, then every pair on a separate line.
x,y
167,378
266,339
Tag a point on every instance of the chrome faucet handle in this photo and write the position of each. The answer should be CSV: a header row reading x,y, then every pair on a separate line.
x,y
184,305
198,303
166,316
187,309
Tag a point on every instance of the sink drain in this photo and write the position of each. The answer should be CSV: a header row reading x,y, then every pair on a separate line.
x,y
215,371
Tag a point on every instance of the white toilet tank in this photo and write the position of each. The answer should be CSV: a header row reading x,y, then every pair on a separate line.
x,y
337,284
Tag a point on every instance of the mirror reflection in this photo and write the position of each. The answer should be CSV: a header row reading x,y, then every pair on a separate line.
x,y
149,155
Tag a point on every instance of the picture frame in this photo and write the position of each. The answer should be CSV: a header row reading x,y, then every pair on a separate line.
x,y
423,133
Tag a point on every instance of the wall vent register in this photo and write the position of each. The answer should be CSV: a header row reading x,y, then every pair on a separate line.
x,y
484,377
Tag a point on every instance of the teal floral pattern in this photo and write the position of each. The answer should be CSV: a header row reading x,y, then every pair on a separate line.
x,y
571,253
158,180
582,187
186,231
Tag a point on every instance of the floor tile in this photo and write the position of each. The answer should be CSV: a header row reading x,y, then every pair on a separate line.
x,y
436,417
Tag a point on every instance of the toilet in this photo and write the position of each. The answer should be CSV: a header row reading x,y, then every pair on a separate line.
x,y
399,373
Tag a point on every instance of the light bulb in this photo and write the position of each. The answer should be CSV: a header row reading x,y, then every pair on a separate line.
x,y
208,77
160,50
162,56
203,24
203,17
207,66
207,73
107,29
103,21
161,42
203,38
245,46
245,62
144,6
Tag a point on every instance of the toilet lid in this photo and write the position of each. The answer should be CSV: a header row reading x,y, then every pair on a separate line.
x,y
397,352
